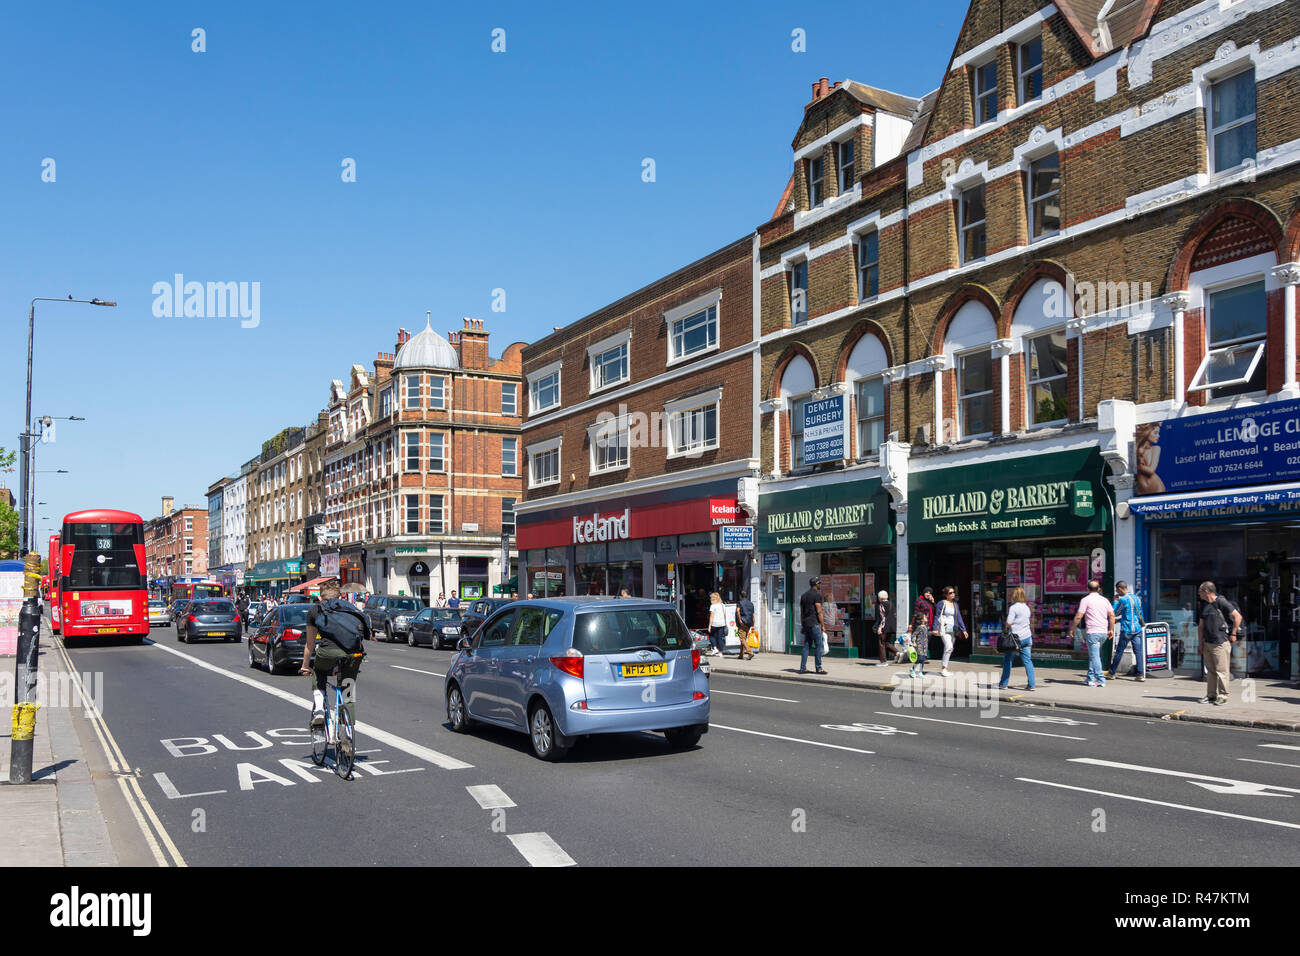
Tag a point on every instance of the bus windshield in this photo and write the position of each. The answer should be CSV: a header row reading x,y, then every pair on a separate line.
x,y
103,556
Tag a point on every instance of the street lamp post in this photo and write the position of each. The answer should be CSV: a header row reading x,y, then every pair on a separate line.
x,y
25,440
46,422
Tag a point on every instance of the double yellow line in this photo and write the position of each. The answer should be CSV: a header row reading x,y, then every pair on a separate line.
x,y
155,834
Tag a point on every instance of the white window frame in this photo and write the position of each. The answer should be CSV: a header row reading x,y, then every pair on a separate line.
x,y
1032,199
883,416
795,267
1260,342
407,379
443,463
597,432
539,449
620,342
1211,132
514,523
820,180
859,244
689,310
674,410
442,389
535,379
442,514
978,94
962,397
511,441
846,185
964,227
406,452
1030,382
1022,74
511,389
406,513
796,434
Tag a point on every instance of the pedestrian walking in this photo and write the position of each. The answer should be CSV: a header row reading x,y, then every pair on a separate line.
x,y
442,599
717,624
1128,621
242,606
885,626
810,617
453,602
744,621
1098,619
1018,623
1220,621
925,605
920,635
948,620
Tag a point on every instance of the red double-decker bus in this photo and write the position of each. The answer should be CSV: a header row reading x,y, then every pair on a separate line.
x,y
103,587
54,583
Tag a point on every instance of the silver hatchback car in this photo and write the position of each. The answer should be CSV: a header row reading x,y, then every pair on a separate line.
x,y
563,668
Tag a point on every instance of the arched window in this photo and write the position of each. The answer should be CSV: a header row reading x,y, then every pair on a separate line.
x,y
1038,330
797,381
968,344
864,373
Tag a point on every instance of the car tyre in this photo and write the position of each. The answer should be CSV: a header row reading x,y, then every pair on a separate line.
x,y
251,661
410,638
683,738
270,658
388,633
548,743
457,713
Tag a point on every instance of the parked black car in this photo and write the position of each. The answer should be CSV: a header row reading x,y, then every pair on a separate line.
x,y
435,626
390,617
278,641
178,610
213,618
477,612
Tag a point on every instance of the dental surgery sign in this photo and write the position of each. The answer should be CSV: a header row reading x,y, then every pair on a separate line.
x,y
823,430
1038,495
1242,446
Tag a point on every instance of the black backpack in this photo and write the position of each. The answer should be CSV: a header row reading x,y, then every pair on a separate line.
x,y
343,624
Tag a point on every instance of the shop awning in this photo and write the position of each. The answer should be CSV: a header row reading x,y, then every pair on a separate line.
x,y
313,583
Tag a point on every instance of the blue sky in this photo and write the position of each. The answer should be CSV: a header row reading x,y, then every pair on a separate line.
x,y
475,171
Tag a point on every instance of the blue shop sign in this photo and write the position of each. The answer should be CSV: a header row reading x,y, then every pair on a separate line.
x,y
823,430
1243,446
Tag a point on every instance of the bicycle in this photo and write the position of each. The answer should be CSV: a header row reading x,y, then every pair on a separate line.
x,y
337,732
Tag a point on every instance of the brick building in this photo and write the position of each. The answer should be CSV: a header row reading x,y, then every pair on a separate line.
x,y
422,467
639,429
176,545
275,515
1090,231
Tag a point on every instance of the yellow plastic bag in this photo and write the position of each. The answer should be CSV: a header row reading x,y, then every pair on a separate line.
x,y
751,639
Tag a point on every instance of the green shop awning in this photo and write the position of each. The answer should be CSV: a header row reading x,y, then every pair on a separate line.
x,y
823,517
1049,496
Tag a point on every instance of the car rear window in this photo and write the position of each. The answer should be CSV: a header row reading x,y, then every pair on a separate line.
x,y
607,632
294,614
214,607
403,604
444,614
157,604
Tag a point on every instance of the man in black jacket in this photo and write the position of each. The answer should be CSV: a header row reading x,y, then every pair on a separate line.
x,y
744,621
810,617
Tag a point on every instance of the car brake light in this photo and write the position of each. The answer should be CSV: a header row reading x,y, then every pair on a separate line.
x,y
699,695
236,621
290,634
570,662
695,660
191,619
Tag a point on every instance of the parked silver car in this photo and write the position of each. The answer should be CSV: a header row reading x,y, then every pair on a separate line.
x,y
563,668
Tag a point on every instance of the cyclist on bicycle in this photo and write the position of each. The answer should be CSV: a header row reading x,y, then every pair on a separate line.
x,y
335,630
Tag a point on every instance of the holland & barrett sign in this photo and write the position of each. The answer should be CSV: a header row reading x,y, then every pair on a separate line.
x,y
1047,495
850,514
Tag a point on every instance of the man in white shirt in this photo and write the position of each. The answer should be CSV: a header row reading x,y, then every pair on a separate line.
x,y
1098,624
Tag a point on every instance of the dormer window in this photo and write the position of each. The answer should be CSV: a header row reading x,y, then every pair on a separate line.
x,y
816,187
986,92
845,162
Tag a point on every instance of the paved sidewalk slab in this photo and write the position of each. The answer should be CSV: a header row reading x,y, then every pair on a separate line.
x,y
1262,703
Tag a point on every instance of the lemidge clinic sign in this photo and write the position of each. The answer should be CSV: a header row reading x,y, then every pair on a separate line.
x,y
1243,446
1039,495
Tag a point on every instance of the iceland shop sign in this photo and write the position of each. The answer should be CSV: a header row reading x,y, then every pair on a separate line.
x,y
823,430
1243,446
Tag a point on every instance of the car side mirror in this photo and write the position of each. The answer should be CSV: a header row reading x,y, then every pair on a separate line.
x,y
464,645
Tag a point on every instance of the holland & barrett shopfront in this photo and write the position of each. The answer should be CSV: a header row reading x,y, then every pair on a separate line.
x,y
1037,521
839,531
1217,498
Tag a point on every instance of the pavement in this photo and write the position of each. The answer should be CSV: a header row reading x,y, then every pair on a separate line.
x,y
1260,703
57,819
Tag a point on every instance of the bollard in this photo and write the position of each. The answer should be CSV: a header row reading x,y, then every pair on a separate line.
x,y
29,640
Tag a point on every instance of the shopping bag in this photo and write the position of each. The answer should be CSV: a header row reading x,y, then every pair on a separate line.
x,y
751,639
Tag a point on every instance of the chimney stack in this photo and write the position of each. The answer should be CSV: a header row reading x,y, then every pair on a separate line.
x,y
822,87
167,503
472,345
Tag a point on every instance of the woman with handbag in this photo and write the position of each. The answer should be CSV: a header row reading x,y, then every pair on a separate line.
x,y
948,621
717,624
1017,638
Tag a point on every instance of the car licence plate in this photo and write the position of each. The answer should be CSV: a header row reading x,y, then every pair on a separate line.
x,y
645,670
105,630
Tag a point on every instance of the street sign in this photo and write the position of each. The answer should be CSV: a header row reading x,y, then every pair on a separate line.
x,y
736,537
771,561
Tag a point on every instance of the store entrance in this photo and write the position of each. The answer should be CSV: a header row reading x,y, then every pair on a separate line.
x,y
694,584
949,566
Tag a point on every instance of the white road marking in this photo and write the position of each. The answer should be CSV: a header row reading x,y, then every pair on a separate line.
x,y
173,793
962,723
1273,763
375,733
540,850
732,693
1281,746
797,740
1051,719
883,729
490,797
1217,784
1162,803
417,670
